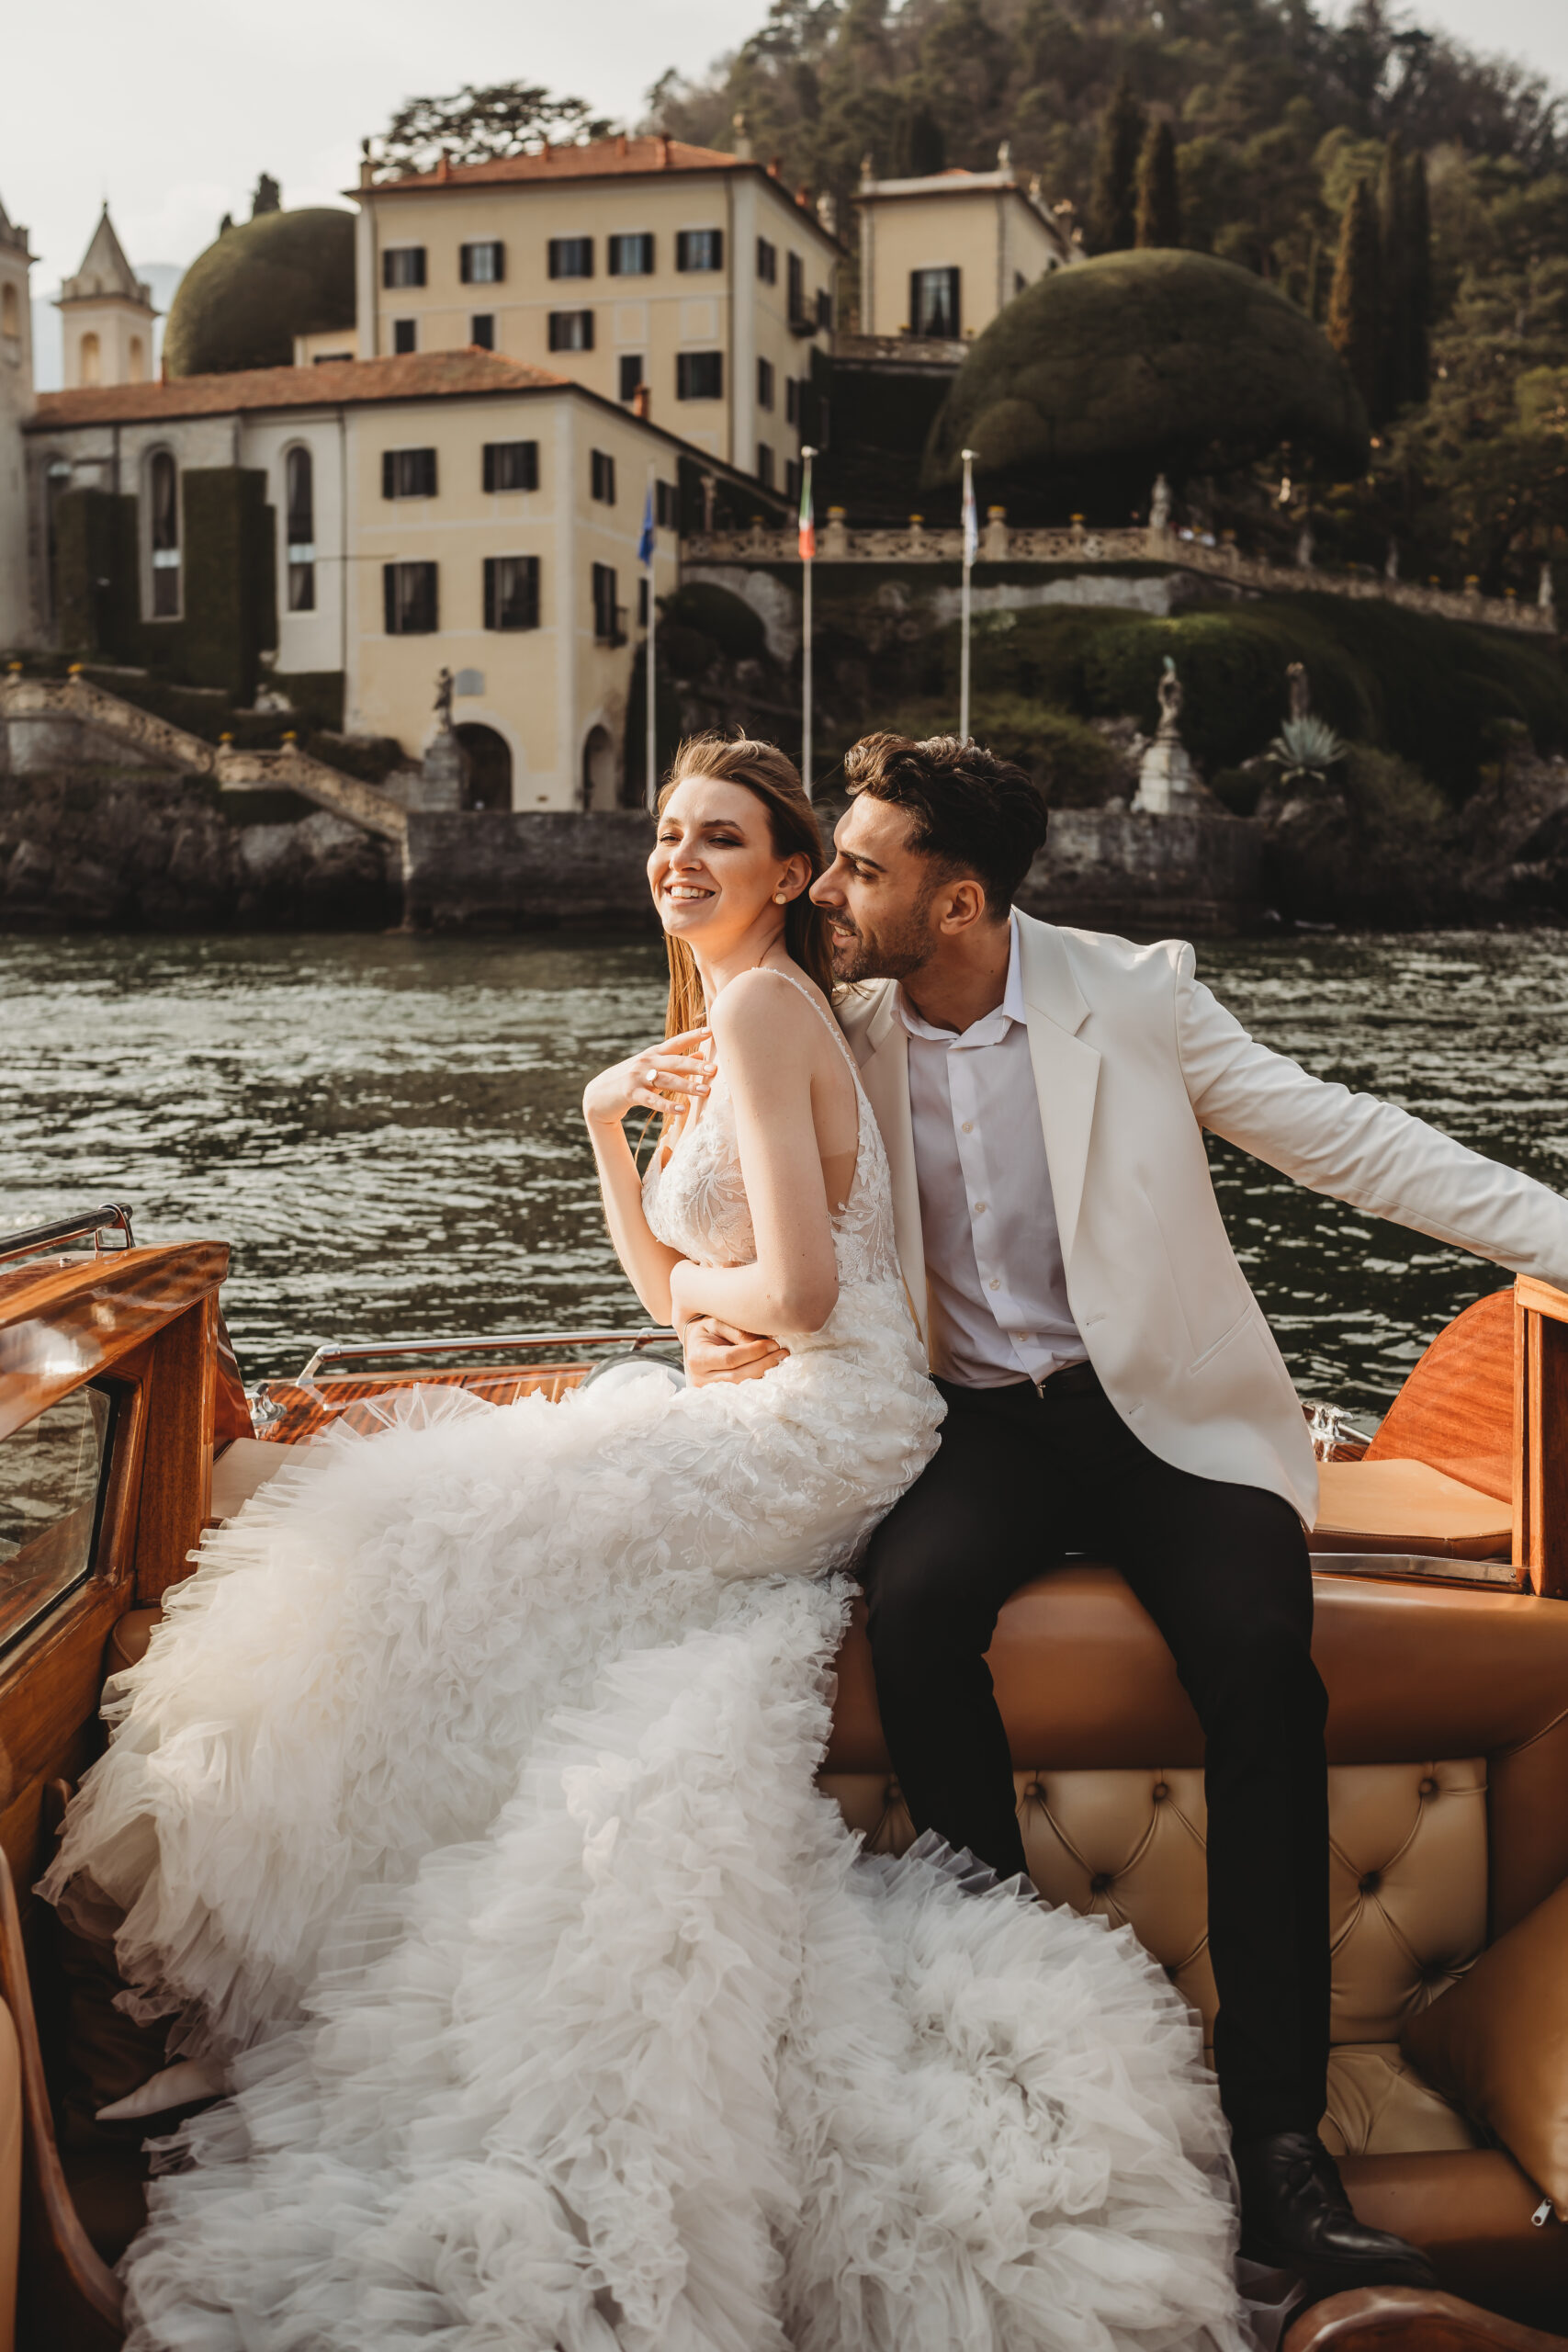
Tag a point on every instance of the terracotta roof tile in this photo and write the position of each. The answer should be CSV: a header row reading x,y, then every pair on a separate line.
x,y
597,159
421,375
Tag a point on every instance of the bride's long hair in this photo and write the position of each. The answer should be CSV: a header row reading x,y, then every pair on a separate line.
x,y
765,771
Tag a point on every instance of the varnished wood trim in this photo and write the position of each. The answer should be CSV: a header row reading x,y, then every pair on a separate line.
x,y
176,1482
1455,1410
303,1409
68,2299
1409,2319
64,1325
1540,1298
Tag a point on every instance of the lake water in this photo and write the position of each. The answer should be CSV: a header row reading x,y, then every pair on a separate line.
x,y
386,1129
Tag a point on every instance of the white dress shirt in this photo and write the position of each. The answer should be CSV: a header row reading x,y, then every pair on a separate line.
x,y
998,1295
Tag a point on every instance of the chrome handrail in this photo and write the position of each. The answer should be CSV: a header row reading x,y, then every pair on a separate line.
x,y
367,1351
113,1217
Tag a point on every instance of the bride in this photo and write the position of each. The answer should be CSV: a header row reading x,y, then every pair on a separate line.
x,y
462,1817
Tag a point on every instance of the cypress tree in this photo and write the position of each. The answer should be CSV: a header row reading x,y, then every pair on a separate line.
x,y
1353,297
1111,219
1393,283
1158,210
921,149
1419,311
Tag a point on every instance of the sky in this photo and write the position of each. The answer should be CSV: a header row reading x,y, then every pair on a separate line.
x,y
180,104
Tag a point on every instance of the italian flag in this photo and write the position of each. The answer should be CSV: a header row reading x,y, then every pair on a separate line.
x,y
807,521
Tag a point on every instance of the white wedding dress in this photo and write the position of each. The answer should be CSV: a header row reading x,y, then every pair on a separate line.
x,y
465,1807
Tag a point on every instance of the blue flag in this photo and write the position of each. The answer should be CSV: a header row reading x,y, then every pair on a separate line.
x,y
646,544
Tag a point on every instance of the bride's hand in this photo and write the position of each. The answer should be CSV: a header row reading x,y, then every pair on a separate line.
x,y
666,1076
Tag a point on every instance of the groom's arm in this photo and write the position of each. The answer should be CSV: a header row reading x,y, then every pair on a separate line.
x,y
1379,1158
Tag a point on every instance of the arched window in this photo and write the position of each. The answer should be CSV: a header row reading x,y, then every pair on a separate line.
x,y
164,506
300,509
137,361
90,364
10,311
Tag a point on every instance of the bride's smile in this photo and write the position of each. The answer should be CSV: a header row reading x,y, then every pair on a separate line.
x,y
718,878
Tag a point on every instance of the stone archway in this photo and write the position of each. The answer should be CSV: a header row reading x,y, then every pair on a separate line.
x,y
601,784
489,767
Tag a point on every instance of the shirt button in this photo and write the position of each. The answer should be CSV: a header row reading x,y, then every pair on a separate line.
x,y
968,1127
995,1281
979,1208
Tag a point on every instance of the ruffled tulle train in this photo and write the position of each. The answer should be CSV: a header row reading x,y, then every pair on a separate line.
x,y
465,1808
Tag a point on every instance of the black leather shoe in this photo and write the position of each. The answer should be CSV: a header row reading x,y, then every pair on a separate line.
x,y
1296,2216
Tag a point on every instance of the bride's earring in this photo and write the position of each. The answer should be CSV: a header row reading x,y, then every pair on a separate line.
x,y
781,897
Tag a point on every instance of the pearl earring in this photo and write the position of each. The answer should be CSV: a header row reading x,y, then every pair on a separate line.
x,y
781,897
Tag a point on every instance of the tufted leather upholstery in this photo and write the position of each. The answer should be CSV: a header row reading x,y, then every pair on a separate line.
x,y
1448,1721
1409,1903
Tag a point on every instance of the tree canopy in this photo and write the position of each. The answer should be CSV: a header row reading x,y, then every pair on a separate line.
x,y
1101,376
476,125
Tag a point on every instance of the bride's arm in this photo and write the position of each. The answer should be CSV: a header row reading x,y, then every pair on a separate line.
x,y
659,1079
770,1043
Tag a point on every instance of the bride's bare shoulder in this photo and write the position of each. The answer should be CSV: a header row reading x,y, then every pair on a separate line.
x,y
769,1008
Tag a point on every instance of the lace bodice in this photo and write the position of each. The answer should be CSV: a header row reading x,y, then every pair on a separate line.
x,y
696,1202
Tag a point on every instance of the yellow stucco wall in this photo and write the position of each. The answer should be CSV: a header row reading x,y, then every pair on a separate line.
x,y
654,317
993,235
544,690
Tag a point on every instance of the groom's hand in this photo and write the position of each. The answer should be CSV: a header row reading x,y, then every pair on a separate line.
x,y
717,1351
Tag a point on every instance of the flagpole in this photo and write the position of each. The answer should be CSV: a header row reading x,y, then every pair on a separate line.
x,y
970,536
807,556
650,791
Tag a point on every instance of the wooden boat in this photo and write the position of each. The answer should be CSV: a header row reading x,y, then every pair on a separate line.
x,y
1442,1634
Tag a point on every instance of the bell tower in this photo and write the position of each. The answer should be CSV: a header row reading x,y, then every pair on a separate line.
x,y
15,407
108,315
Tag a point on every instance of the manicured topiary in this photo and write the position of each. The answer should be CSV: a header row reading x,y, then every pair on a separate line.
x,y
243,300
1113,370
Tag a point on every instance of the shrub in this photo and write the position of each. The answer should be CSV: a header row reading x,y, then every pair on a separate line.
x,y
1431,691
1073,766
718,612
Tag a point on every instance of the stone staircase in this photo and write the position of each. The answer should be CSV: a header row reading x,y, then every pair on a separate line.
x,y
84,712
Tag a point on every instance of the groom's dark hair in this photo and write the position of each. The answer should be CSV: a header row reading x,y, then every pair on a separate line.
x,y
970,811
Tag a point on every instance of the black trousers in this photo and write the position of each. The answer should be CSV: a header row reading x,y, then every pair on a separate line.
x,y
1022,1477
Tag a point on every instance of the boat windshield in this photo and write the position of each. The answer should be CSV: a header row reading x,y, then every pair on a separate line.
x,y
51,1478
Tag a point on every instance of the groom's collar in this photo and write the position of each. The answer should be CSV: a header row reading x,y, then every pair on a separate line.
x,y
990,1028
1044,970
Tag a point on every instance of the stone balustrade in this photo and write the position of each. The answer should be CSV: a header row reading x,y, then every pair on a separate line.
x,y
77,701
1073,545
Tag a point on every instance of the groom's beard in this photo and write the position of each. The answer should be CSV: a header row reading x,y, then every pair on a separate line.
x,y
889,954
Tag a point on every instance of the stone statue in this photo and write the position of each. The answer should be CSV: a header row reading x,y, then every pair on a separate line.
x,y
1390,562
445,767
1159,505
1306,546
1544,595
1298,686
1168,784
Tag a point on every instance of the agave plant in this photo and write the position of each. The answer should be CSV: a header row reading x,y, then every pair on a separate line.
x,y
1305,748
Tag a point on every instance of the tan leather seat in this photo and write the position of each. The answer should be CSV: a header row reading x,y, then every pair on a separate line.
x,y
241,1468
1407,1506
1447,1747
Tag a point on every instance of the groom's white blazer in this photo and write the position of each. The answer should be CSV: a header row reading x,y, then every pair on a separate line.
x,y
1133,1060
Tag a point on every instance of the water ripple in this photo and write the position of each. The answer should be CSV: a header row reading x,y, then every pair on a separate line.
x,y
387,1129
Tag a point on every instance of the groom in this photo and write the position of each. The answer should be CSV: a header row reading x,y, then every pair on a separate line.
x,y
1112,1385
